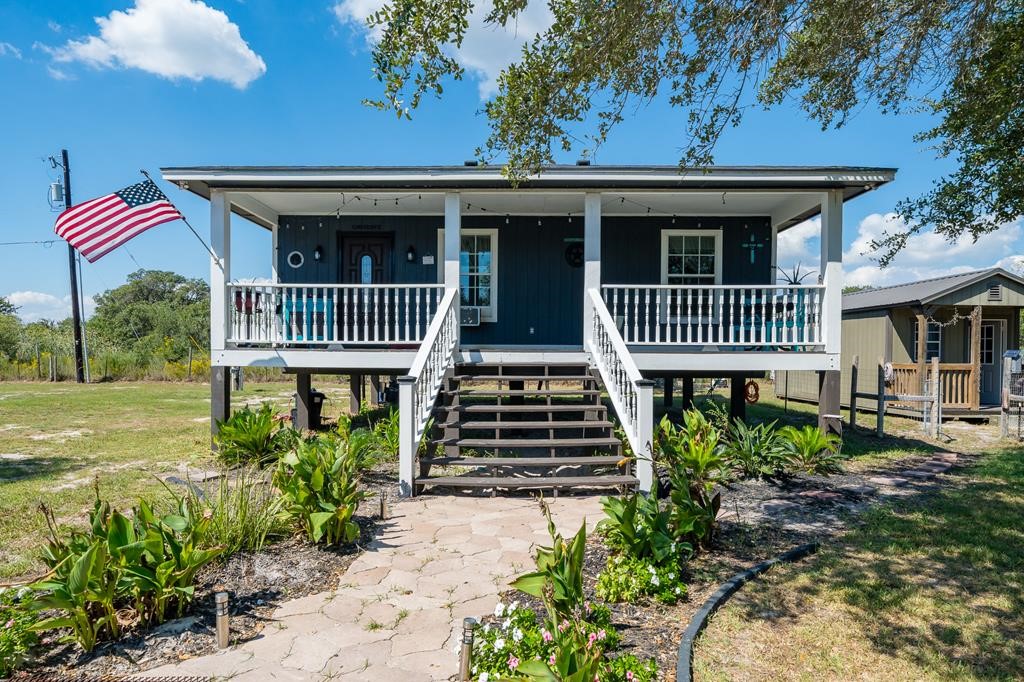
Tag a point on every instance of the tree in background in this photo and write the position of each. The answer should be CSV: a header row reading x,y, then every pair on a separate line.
x,y
716,59
156,313
10,328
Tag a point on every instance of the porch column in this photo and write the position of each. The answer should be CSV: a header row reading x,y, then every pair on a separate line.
x,y
591,259
303,385
452,247
687,393
975,397
355,393
220,267
220,399
738,398
831,304
220,275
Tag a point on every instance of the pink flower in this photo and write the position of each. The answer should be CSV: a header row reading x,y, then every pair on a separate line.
x,y
601,634
546,635
513,662
563,625
551,660
10,624
629,674
586,605
591,639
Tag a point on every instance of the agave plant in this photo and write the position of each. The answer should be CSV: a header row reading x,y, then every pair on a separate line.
x,y
810,450
754,451
252,437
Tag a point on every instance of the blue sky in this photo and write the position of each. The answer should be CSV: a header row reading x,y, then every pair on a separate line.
x,y
180,82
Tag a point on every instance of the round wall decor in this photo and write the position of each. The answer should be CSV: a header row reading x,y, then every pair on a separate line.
x,y
574,254
296,259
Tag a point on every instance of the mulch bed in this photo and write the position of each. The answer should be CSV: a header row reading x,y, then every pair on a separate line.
x,y
258,582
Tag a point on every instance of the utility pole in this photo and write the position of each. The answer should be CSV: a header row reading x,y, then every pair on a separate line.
x,y
76,312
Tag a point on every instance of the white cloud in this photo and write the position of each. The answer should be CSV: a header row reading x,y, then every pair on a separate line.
x,y
6,49
37,305
176,39
926,254
485,50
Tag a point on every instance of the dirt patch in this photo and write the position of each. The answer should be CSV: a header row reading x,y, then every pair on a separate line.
x,y
258,583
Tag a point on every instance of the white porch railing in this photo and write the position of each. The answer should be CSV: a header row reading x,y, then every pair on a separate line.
x,y
632,396
312,314
418,391
759,317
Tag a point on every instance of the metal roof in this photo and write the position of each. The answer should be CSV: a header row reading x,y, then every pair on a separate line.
x,y
920,292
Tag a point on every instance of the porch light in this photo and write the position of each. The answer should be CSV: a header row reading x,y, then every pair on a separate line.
x,y
318,253
410,255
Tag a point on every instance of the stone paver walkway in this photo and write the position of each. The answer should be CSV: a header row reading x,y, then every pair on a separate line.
x,y
397,612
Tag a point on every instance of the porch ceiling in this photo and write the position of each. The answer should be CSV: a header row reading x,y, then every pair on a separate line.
x,y
787,194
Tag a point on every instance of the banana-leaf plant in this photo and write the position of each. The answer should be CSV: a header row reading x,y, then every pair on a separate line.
x,y
636,524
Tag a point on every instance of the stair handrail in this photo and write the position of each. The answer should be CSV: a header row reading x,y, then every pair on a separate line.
x,y
417,391
631,395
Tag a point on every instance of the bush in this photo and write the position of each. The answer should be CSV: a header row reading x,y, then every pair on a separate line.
x,y
632,579
387,436
637,526
243,512
16,634
253,437
754,451
319,484
811,450
135,568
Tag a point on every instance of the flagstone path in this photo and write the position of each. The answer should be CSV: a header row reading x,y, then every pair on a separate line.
x,y
398,610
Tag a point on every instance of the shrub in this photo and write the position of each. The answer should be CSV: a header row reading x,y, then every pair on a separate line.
x,y
387,436
811,450
243,512
637,526
144,566
319,484
253,437
754,451
632,579
16,635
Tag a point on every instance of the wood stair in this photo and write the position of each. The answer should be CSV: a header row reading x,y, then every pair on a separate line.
x,y
515,426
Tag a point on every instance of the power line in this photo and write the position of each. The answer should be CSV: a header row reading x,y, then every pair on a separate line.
x,y
46,242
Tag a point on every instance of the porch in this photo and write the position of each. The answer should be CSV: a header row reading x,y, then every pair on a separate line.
x,y
411,271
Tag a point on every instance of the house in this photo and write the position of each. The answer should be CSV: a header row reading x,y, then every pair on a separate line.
x,y
470,290
967,320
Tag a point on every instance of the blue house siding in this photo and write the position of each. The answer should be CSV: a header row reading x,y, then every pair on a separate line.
x,y
540,294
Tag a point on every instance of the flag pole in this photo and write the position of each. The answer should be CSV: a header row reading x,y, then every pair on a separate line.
x,y
185,220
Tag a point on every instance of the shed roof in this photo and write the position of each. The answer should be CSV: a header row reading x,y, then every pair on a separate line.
x,y
920,292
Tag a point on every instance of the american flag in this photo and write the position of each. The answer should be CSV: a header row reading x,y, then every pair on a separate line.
x,y
99,226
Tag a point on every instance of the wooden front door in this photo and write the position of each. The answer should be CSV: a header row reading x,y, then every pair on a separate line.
x,y
366,259
993,345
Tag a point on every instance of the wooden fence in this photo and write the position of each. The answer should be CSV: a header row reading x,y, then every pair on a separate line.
x,y
960,387
903,393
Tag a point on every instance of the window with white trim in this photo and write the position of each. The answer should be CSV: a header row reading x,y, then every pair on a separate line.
x,y
988,344
691,257
932,345
478,270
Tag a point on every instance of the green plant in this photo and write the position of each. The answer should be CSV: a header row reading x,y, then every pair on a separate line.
x,y
244,510
692,457
754,451
253,437
16,634
319,484
558,580
387,434
811,450
138,564
632,579
637,526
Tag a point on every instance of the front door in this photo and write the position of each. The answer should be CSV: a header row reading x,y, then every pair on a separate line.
x,y
993,345
366,259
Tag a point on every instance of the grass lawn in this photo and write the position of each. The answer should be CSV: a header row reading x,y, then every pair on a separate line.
x,y
930,587
56,439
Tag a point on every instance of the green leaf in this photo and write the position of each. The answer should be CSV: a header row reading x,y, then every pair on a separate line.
x,y
78,579
317,522
175,522
531,583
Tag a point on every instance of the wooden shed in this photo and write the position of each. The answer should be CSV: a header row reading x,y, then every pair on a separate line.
x,y
969,320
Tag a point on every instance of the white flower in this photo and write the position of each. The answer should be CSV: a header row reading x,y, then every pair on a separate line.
x,y
484,677
678,591
512,607
504,626
651,569
655,581
499,610
499,643
487,627
671,576
517,635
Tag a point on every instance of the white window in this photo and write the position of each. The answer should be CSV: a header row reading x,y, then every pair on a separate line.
x,y
932,345
988,344
691,256
478,270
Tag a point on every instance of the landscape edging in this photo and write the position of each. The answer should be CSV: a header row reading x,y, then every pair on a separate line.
x,y
684,667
